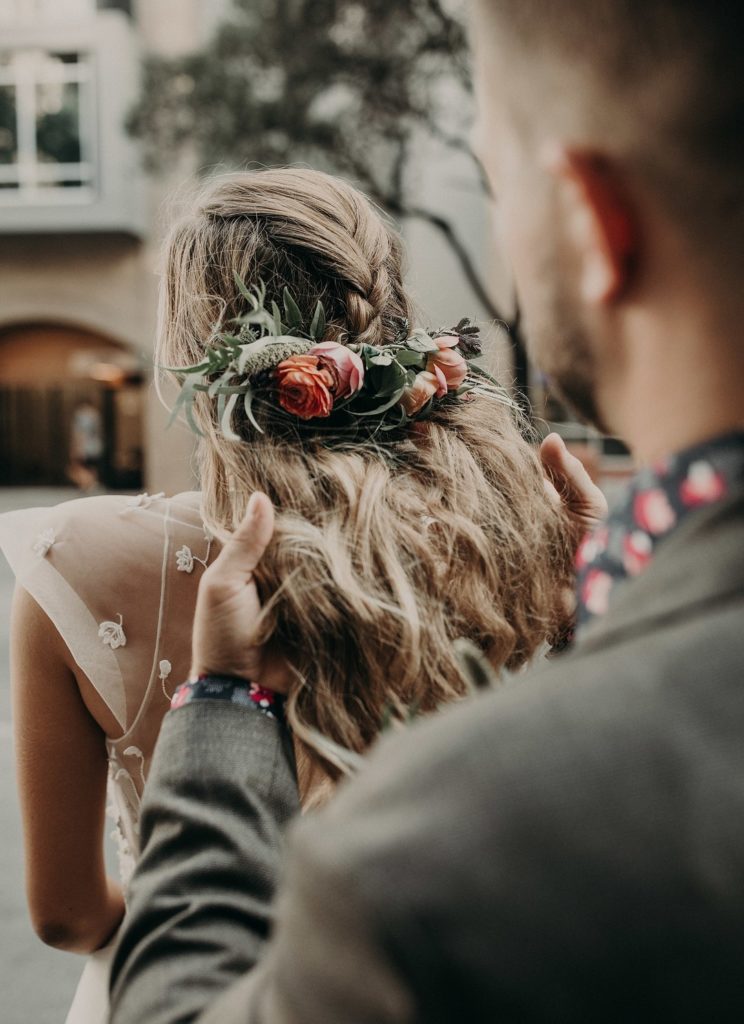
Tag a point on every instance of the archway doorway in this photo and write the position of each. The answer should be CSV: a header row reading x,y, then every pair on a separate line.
x,y
56,381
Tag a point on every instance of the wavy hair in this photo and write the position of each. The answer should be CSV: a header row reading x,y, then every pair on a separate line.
x,y
385,551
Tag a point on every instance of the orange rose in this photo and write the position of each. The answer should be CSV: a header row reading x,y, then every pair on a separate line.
x,y
450,362
305,387
426,385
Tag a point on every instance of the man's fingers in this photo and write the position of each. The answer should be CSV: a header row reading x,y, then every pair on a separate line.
x,y
245,549
566,471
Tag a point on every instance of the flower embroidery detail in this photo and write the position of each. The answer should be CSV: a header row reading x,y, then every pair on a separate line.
x,y
112,633
165,670
44,543
144,500
653,512
184,559
702,485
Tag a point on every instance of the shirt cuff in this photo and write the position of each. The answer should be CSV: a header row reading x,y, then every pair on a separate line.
x,y
232,690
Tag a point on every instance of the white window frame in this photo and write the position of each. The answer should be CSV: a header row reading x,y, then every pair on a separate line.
x,y
31,12
32,175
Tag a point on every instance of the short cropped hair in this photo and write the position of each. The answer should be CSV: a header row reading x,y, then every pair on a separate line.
x,y
666,77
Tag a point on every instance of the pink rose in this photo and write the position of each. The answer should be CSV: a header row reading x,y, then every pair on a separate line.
x,y
653,513
702,485
426,385
347,367
305,387
449,361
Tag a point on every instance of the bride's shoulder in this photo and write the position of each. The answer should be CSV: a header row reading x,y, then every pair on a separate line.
x,y
101,535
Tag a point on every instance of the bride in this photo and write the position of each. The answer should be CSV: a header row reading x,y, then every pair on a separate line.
x,y
395,536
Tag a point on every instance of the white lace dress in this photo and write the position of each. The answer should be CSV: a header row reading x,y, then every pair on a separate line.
x,y
118,578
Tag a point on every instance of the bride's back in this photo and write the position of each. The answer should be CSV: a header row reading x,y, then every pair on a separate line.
x,y
117,578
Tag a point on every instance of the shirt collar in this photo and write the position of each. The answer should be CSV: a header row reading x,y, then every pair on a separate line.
x,y
658,500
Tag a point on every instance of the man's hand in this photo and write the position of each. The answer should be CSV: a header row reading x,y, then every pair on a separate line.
x,y
228,607
569,484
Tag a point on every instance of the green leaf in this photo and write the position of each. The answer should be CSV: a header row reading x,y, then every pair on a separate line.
x,y
407,357
228,407
420,341
292,311
318,324
248,406
278,326
244,291
386,379
382,359
381,408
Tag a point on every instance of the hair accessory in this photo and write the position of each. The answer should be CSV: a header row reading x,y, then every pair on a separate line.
x,y
276,356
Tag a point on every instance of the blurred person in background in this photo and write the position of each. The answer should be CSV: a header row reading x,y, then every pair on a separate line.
x,y
571,848
86,446
375,517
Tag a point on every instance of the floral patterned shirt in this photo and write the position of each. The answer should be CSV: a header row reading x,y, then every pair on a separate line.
x,y
658,500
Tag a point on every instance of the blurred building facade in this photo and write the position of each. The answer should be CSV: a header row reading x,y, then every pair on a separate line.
x,y
80,232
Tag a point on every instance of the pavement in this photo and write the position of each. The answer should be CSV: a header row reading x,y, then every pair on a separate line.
x,y
36,983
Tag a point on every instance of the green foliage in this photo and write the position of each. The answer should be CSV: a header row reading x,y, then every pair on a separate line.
x,y
244,364
345,86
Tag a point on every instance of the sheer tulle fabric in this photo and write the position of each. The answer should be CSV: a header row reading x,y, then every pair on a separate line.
x,y
118,578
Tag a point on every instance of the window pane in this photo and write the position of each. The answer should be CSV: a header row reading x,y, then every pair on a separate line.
x,y
8,126
58,123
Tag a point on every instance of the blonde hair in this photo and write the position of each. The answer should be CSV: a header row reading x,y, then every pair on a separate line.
x,y
385,552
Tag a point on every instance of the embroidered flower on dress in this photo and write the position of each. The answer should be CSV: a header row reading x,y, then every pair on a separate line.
x,y
184,559
144,500
165,670
112,633
44,543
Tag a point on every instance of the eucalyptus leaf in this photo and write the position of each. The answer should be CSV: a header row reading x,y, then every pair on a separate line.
x,y
407,358
382,359
277,327
318,323
420,341
226,418
244,291
291,311
248,406
381,408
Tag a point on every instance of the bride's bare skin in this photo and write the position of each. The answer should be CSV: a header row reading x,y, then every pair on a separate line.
x,y
60,726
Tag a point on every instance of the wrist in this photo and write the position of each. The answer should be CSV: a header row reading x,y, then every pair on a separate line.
x,y
230,689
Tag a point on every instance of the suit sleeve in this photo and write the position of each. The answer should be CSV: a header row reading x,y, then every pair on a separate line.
x,y
221,791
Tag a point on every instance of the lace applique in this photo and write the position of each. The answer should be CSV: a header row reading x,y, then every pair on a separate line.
x,y
44,543
123,808
142,501
165,670
185,557
112,633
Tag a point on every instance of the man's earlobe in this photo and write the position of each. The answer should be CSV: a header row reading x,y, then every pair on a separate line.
x,y
599,222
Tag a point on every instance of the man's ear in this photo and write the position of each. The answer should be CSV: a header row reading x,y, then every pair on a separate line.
x,y
599,222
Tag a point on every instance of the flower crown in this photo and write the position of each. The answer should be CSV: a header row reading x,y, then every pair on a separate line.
x,y
286,362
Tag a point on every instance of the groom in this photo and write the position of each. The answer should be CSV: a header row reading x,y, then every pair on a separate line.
x,y
572,848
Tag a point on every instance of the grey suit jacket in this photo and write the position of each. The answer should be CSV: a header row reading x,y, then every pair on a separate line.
x,y
570,848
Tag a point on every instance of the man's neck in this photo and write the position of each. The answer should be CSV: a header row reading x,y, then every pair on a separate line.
x,y
675,394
